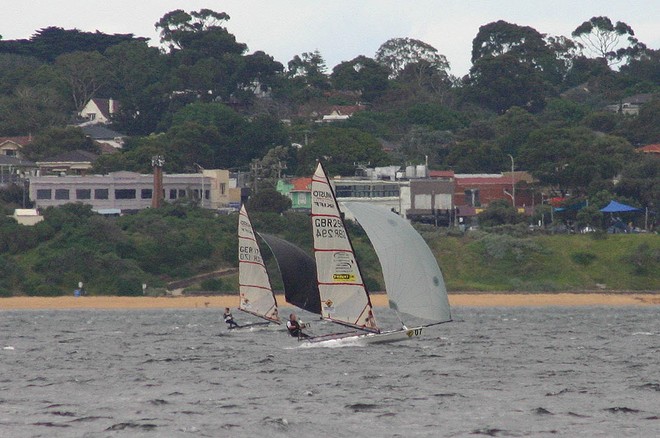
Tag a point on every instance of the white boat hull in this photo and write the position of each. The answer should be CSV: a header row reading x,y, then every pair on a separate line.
x,y
371,338
393,336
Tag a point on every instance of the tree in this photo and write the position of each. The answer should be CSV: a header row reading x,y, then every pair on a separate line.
x,y
86,73
475,156
342,148
268,200
308,71
513,128
524,43
499,212
137,76
398,53
500,82
361,74
645,128
54,141
178,27
421,144
573,159
640,180
51,42
603,39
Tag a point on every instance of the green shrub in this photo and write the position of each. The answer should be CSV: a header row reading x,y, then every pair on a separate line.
x,y
644,260
212,284
583,258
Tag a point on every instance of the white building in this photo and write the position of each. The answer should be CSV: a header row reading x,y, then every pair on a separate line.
x,y
129,190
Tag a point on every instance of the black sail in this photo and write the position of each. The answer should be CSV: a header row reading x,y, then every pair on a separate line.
x,y
298,270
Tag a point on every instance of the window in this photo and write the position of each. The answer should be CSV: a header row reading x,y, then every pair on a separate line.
x,y
472,197
44,194
125,194
100,193
172,193
223,187
182,193
61,193
83,194
10,152
302,198
146,193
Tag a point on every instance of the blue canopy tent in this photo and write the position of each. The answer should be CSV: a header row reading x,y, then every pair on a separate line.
x,y
617,207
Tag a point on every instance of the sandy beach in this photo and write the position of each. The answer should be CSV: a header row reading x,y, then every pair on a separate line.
x,y
457,299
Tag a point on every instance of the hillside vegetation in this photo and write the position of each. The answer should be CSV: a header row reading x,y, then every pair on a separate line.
x,y
117,255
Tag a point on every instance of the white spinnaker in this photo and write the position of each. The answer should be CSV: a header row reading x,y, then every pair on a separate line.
x,y
343,296
256,294
412,276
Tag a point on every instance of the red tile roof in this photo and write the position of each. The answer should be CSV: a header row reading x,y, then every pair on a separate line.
x,y
650,149
301,184
22,140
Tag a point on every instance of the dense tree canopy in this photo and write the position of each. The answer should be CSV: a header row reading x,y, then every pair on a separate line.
x,y
203,98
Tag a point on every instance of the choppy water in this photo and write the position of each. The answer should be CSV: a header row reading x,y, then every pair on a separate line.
x,y
179,373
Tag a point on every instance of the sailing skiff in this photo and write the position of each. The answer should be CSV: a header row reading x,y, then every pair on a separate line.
x,y
413,280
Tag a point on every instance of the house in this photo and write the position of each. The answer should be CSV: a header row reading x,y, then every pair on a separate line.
x,y
630,105
13,170
649,149
338,113
76,162
298,190
99,110
11,146
104,136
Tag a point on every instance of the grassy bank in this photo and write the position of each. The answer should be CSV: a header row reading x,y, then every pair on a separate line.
x,y
491,262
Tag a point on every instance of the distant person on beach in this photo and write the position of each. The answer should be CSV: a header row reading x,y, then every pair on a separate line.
x,y
295,327
229,319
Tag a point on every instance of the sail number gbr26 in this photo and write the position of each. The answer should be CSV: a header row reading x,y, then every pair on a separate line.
x,y
329,227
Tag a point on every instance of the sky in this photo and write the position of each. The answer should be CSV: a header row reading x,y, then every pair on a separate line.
x,y
341,29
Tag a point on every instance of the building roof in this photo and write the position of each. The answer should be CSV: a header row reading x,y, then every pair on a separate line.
x,y
20,140
303,184
100,132
77,156
492,178
441,173
6,160
650,149
104,106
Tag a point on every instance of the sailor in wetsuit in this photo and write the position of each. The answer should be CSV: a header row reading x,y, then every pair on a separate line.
x,y
295,327
229,319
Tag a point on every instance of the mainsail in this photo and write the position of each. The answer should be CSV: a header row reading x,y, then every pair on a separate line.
x,y
344,298
298,271
412,277
256,294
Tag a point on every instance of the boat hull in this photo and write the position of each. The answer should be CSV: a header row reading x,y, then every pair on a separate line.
x,y
393,336
371,338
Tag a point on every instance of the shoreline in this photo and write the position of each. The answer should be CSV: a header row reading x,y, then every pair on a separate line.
x,y
472,299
